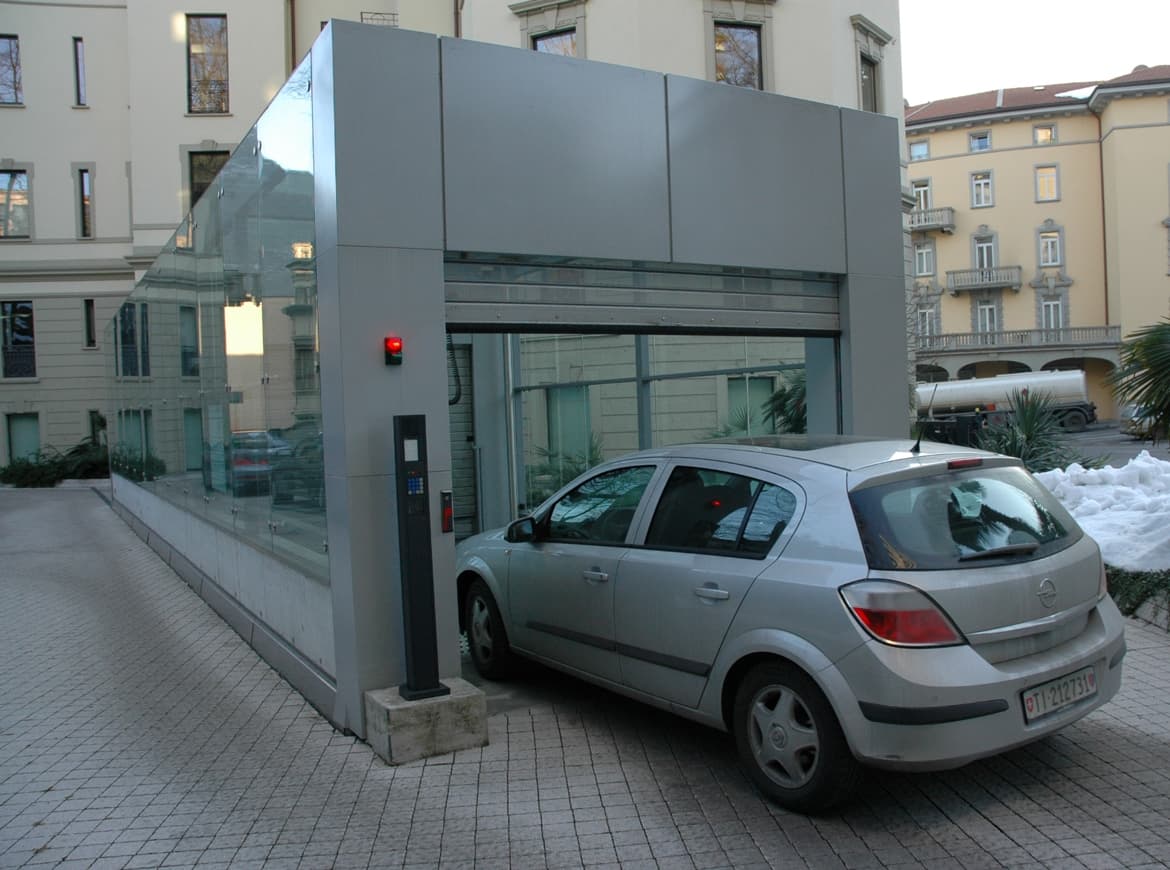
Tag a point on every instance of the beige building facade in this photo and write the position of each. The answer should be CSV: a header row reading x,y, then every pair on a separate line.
x,y
116,116
1040,236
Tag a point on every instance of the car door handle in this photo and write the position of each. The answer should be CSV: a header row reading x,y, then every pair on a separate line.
x,y
595,576
712,592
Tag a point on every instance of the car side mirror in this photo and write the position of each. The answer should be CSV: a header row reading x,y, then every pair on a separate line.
x,y
523,529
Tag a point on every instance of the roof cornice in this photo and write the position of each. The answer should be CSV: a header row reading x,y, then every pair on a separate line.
x,y
1079,107
1104,94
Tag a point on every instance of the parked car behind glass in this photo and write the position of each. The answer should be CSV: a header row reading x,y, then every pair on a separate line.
x,y
832,605
251,458
300,475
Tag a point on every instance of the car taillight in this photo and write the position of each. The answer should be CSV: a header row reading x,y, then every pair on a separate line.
x,y
898,614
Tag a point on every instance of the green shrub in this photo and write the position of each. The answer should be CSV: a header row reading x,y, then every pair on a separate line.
x,y
1033,435
1132,589
131,464
46,468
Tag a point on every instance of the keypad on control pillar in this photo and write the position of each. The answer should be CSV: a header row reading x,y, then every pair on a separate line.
x,y
414,483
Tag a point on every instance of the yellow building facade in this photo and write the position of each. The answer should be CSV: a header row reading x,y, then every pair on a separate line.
x,y
1040,235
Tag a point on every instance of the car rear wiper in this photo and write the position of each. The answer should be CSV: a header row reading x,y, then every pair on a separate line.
x,y
1006,550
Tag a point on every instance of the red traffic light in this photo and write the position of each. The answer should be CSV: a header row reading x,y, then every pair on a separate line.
x,y
392,344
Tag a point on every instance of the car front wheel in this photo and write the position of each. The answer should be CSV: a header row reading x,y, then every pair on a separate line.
x,y
486,639
789,741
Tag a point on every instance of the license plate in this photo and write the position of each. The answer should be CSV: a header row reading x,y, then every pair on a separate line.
x,y
1059,693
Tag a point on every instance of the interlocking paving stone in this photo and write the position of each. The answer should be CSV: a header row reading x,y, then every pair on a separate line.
x,y
138,730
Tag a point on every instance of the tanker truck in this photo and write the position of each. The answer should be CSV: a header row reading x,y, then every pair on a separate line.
x,y
958,408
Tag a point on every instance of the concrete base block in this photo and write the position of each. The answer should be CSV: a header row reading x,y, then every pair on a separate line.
x,y
400,731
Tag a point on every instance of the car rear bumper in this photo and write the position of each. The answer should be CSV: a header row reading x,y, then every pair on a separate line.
x,y
937,708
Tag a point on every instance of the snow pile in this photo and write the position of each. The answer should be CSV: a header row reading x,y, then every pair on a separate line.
x,y
1126,510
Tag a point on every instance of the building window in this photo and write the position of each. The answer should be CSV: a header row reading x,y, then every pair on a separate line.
x,y
924,258
188,342
202,167
986,317
19,344
747,397
133,337
1047,184
738,59
925,320
569,431
24,436
920,150
869,84
984,252
921,191
15,202
84,204
1043,134
981,195
207,64
79,71
11,90
89,316
979,141
1050,249
563,42
1052,314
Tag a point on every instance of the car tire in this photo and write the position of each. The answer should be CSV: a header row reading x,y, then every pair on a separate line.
x,y
789,740
487,641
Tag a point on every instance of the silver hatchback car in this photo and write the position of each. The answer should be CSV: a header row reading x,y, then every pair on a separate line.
x,y
832,603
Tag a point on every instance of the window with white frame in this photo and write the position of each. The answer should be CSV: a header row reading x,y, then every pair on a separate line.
x,y
1050,249
871,41
15,204
1043,134
984,252
980,141
921,191
925,320
981,193
1047,184
924,258
920,150
986,316
1052,314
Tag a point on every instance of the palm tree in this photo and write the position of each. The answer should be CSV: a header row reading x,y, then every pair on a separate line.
x,y
1143,377
786,406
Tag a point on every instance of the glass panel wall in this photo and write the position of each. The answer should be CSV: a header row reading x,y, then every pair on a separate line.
x,y
583,399
215,360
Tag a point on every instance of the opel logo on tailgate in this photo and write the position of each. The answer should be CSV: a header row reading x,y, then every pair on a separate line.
x,y
1047,592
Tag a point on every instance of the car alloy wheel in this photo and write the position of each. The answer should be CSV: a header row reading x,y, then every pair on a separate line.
x,y
789,740
486,638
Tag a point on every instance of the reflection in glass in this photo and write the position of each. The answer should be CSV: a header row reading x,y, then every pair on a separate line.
x,y
737,55
216,351
563,42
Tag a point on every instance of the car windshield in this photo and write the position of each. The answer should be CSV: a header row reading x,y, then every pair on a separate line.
x,y
960,519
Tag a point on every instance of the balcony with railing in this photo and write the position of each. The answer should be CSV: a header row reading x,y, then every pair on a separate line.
x,y
1076,337
927,219
1001,277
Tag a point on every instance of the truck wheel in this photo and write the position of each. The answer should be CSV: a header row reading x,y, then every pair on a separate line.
x,y
1074,421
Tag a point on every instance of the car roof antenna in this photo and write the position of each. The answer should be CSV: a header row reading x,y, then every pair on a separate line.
x,y
929,409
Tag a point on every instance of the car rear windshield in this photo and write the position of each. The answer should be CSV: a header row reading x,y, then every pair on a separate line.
x,y
960,519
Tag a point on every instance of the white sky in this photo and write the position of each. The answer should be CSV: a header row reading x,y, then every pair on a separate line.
x,y
953,47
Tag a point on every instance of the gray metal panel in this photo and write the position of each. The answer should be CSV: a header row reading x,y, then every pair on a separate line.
x,y
388,170
873,193
553,155
755,178
874,383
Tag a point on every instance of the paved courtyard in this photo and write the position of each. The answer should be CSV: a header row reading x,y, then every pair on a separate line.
x,y
137,730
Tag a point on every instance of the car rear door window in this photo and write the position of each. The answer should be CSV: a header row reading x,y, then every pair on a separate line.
x,y
706,509
960,519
